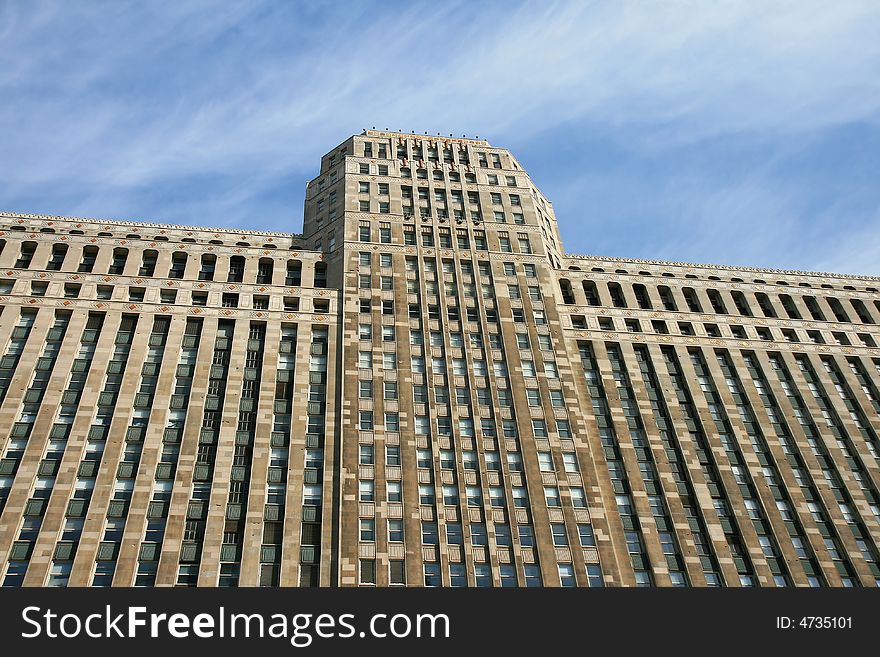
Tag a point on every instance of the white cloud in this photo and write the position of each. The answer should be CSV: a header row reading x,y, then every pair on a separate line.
x,y
113,99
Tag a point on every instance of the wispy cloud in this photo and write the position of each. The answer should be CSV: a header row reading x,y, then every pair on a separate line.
x,y
217,113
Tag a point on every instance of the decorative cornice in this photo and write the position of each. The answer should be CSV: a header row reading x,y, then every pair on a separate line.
x,y
118,222
429,138
764,270
567,256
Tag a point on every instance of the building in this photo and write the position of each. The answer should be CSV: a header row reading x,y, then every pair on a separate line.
x,y
424,389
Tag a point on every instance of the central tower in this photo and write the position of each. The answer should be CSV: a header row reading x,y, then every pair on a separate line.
x,y
421,232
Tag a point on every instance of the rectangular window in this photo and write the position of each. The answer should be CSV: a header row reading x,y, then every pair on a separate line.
x,y
395,531
368,571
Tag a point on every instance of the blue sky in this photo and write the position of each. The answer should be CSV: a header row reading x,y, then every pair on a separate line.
x,y
723,132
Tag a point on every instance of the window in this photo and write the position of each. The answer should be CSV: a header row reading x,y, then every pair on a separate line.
x,y
533,575
479,536
104,574
365,389
450,495
566,575
432,574
539,428
57,259
545,461
119,257
496,496
483,575
368,571
365,490
429,533
395,531
89,255
367,530
594,575
394,490
514,462
560,537
587,538
366,454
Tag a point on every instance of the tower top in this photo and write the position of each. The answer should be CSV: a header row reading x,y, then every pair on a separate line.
x,y
434,138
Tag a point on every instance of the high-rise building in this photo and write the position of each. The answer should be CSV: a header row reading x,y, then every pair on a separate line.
x,y
424,389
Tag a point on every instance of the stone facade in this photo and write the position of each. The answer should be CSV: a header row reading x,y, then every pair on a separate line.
x,y
424,389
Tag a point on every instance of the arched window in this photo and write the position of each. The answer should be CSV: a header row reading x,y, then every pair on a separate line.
x,y
691,299
236,269
209,263
837,309
26,255
320,274
59,251
178,264
89,255
742,305
567,294
790,308
148,266
120,255
666,297
716,301
591,293
815,310
764,303
616,292
642,297
294,273
862,311
264,271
